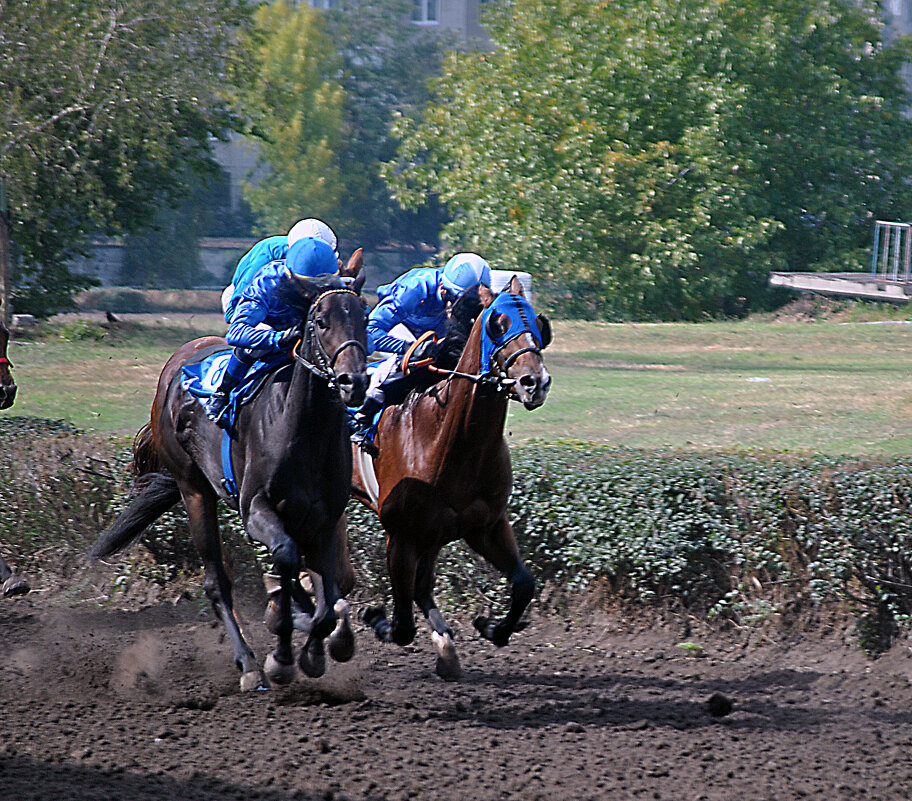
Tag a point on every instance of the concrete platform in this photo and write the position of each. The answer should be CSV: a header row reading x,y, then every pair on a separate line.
x,y
856,285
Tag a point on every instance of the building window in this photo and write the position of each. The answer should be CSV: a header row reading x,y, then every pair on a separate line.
x,y
426,12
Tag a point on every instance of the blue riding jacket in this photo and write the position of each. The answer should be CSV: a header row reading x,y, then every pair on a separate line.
x,y
412,300
259,303
262,253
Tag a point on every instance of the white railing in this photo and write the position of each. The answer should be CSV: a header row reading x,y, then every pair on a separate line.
x,y
892,255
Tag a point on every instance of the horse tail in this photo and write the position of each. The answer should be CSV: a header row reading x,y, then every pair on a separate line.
x,y
156,492
145,456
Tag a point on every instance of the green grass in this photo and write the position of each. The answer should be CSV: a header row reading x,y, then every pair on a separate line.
x,y
824,386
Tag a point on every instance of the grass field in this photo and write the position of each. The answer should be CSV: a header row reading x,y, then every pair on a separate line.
x,y
838,388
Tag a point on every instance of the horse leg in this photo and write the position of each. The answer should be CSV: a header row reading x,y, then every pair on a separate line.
x,y
264,525
402,564
11,583
202,514
499,547
321,563
448,667
342,640
302,608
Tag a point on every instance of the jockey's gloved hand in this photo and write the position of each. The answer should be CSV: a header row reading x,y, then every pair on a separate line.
x,y
426,350
288,337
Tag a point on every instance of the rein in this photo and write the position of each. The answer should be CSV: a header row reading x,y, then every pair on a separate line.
x,y
323,362
7,362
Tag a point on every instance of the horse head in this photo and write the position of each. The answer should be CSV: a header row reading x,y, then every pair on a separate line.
x,y
334,332
7,385
513,338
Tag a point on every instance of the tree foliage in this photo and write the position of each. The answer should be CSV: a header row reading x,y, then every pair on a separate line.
x,y
109,107
657,158
321,107
295,104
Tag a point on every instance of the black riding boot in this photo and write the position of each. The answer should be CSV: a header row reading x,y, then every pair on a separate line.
x,y
218,401
361,425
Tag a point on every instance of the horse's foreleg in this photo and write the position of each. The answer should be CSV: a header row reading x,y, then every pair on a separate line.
x,y
499,547
201,511
402,562
321,563
448,667
264,525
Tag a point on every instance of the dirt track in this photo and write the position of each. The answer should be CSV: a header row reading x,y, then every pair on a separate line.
x,y
105,704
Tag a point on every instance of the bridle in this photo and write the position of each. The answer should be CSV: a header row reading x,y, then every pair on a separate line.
x,y
322,363
497,373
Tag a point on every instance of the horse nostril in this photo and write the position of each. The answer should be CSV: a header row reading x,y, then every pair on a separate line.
x,y
528,382
345,380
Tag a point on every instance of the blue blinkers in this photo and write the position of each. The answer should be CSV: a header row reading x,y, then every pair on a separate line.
x,y
522,321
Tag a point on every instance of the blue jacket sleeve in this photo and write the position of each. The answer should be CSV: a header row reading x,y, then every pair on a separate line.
x,y
244,333
385,316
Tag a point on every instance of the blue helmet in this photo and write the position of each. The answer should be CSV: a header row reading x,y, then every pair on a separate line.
x,y
313,260
464,271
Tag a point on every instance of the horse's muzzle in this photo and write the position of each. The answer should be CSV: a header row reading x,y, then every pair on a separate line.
x,y
352,387
532,390
7,395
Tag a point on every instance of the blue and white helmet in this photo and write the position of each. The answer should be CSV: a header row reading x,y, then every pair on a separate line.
x,y
312,227
313,260
464,271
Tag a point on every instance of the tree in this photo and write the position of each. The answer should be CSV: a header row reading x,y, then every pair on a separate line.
x,y
322,108
109,106
656,158
295,105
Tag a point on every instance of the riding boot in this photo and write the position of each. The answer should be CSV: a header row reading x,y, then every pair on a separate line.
x,y
362,422
218,401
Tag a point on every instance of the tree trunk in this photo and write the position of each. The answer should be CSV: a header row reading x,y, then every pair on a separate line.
x,y
4,271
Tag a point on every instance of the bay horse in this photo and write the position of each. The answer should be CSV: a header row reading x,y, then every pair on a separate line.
x,y
443,469
292,463
10,583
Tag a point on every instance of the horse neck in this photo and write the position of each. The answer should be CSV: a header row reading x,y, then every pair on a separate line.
x,y
474,412
309,403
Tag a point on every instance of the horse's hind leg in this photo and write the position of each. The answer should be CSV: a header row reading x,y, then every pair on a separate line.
x,y
201,510
448,667
499,547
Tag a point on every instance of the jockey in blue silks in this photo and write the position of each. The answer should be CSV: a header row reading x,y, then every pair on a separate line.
x,y
268,250
412,304
263,323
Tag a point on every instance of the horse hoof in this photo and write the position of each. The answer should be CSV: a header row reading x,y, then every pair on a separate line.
x,y
15,586
253,680
448,667
312,660
277,672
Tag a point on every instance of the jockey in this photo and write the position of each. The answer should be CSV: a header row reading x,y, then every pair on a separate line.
x,y
263,323
271,249
412,304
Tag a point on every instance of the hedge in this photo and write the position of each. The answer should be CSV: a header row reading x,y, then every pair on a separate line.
x,y
734,535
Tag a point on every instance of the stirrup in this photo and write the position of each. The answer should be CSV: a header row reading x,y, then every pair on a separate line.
x,y
362,439
215,407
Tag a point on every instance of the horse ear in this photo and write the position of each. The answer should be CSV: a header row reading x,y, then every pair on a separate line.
x,y
486,295
497,325
544,328
354,266
358,283
515,287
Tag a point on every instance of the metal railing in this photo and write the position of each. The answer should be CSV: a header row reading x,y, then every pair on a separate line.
x,y
891,259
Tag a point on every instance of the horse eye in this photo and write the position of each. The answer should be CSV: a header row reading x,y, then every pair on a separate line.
x,y
322,324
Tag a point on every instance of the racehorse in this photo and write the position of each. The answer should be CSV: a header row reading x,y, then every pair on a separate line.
x,y
443,469
7,385
292,463
10,583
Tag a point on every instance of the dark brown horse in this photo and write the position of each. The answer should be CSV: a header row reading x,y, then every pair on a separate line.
x,y
7,385
10,583
443,471
292,464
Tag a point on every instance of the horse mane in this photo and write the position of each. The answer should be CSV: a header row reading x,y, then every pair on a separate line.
x,y
298,294
461,318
